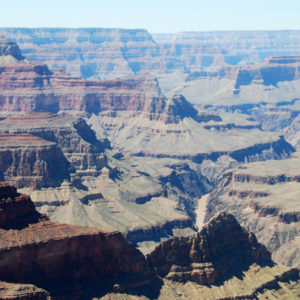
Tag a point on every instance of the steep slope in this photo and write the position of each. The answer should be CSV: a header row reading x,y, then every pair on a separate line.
x,y
54,252
264,198
35,250
30,161
171,152
72,136
212,252
105,53
221,261
273,81
14,291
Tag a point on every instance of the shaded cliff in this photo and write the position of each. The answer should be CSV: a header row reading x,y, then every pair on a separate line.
x,y
27,160
54,252
263,196
204,257
84,263
73,137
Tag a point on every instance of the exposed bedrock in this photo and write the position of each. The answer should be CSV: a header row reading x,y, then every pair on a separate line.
x,y
15,291
86,263
105,53
263,196
9,48
55,253
26,160
72,136
273,150
211,253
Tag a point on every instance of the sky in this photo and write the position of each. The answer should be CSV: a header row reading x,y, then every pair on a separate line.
x,y
157,16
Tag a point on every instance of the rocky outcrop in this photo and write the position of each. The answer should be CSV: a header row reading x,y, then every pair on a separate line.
x,y
292,134
28,86
263,197
204,257
14,207
15,291
73,137
9,48
105,53
177,108
26,160
34,250
54,252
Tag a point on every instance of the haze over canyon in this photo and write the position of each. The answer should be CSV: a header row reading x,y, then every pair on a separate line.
x,y
139,166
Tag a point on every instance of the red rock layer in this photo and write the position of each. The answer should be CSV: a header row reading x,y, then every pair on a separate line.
x,y
45,253
14,206
29,87
72,135
27,160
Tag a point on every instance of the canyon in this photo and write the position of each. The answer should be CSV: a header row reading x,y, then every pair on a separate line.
x,y
152,158
119,146
264,197
37,251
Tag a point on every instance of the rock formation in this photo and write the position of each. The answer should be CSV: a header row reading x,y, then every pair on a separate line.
x,y
72,136
272,81
84,262
55,253
30,161
15,291
212,252
170,152
104,53
263,196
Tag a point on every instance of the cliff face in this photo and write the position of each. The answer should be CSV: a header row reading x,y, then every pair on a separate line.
x,y
15,207
9,48
271,81
109,53
54,252
263,197
84,262
27,160
32,87
72,136
217,248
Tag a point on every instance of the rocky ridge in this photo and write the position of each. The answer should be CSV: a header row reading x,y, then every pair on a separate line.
x,y
72,136
142,124
109,263
26,233
105,53
208,254
272,81
263,197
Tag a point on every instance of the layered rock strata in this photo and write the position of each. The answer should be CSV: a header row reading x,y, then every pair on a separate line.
x,y
72,136
27,160
264,198
54,252
57,260
274,80
105,53
212,252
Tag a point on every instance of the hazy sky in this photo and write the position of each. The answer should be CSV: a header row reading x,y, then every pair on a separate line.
x,y
155,15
